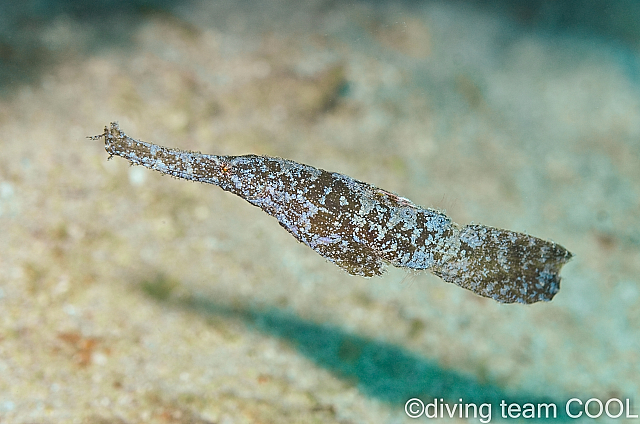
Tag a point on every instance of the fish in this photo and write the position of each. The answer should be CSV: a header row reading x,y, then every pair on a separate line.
x,y
361,228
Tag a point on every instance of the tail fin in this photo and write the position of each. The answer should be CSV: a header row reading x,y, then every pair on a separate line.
x,y
504,265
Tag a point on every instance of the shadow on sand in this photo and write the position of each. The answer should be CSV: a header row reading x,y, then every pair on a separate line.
x,y
379,370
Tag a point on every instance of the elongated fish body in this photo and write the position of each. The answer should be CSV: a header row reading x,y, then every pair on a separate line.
x,y
362,228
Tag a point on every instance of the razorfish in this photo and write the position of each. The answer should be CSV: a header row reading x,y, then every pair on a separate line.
x,y
362,228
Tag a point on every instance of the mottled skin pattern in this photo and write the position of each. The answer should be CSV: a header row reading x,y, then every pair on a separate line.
x,y
360,227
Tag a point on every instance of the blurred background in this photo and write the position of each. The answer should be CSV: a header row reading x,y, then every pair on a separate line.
x,y
127,297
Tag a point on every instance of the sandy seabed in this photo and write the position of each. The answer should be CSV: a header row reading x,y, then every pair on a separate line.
x,y
127,297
